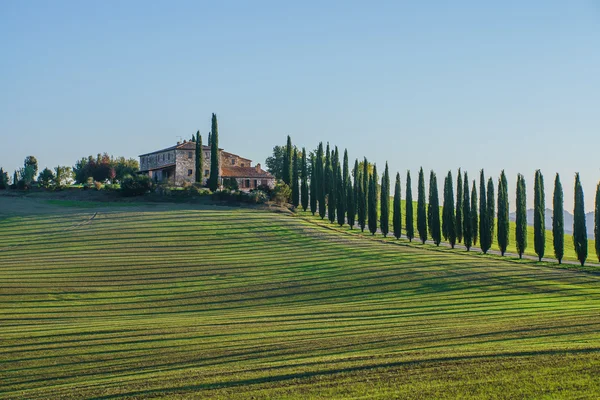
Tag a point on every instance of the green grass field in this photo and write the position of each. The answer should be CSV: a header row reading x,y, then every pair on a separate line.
x,y
240,303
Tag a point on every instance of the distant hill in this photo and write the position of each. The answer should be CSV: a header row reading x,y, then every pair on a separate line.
x,y
568,218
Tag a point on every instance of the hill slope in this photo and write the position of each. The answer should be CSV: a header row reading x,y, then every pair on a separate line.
x,y
227,303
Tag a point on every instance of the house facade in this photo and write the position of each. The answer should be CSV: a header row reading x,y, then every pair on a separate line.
x,y
176,165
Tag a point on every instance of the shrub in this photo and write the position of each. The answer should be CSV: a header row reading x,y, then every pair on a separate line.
x,y
98,185
231,184
281,193
136,185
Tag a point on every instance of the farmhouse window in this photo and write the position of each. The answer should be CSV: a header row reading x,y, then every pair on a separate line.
x,y
189,172
189,154
205,172
233,161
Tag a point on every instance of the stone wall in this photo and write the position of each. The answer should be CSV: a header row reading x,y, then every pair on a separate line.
x,y
157,160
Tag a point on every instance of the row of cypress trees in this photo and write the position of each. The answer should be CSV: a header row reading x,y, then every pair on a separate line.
x,y
472,218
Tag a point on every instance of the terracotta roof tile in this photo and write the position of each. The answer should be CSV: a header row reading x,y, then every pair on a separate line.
x,y
244,172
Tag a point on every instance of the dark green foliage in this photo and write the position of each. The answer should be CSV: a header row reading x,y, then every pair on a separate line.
x,y
503,213
320,183
356,185
466,211
304,180
350,205
384,223
136,185
365,186
313,185
287,167
397,211
434,210
491,211
44,179
340,197
474,216
331,196
579,228
410,228
558,221
295,179
521,222
209,139
213,181
362,197
327,170
346,169
597,222
459,207
484,230
372,205
31,162
199,158
539,210
3,179
231,184
274,163
448,217
421,208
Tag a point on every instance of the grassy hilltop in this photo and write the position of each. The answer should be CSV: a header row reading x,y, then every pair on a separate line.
x,y
225,303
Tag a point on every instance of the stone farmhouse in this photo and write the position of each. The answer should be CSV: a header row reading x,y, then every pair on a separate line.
x,y
176,165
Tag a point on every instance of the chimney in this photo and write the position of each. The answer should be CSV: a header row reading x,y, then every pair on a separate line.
x,y
178,142
257,167
184,141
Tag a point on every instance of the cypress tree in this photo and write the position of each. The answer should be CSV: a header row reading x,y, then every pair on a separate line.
x,y
199,158
356,185
341,195
421,208
579,228
313,185
434,210
372,207
503,213
597,222
474,219
521,223
466,211
397,218
539,210
209,139
304,187
362,197
288,163
320,184
491,211
459,207
385,202
483,217
558,220
350,205
346,170
295,179
331,201
365,186
327,170
429,209
214,155
448,217
410,227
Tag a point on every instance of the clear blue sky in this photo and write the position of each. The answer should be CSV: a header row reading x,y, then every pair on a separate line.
x,y
511,84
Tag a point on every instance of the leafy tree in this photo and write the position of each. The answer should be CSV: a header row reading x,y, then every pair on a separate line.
x,y
320,184
503,213
362,197
410,228
421,208
484,230
434,210
350,205
373,206
63,176
448,217
384,222
26,176
579,228
274,163
331,197
304,187
287,173
521,222
281,193
199,158
558,221
313,186
466,211
539,210
459,207
597,222
491,211
295,179
341,195
397,217
31,161
213,182
46,177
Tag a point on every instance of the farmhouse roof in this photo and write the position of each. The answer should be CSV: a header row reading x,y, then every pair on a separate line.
x,y
181,146
244,172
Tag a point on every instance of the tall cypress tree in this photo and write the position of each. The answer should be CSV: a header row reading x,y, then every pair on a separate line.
x,y
356,185
295,179
434,210
429,208
331,197
521,222
385,202
491,211
474,217
365,186
483,217
199,158
346,170
459,207
327,170
539,210
340,197
579,228
597,222
421,208
503,213
304,187
287,173
372,207
397,218
313,185
214,155
350,205
320,184
410,228
558,221
448,216
209,139
362,197
466,211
